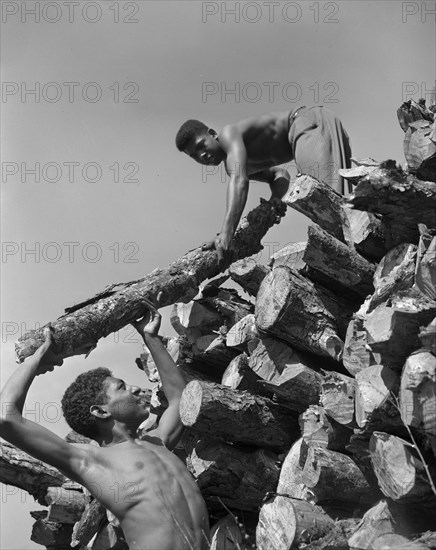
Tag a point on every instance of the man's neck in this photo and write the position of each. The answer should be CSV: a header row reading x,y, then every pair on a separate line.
x,y
120,433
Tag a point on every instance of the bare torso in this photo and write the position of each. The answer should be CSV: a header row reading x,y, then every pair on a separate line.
x,y
152,494
266,140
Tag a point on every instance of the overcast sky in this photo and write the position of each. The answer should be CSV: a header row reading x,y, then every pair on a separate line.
x,y
94,190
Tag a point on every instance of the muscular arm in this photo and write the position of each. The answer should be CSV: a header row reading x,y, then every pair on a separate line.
x,y
277,178
27,435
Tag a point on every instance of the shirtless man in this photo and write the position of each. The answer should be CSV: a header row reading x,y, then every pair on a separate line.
x,y
141,482
252,148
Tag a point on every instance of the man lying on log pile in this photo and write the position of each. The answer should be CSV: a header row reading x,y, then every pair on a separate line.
x,y
254,147
158,503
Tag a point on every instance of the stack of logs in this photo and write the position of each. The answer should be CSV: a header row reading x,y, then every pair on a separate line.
x,y
310,405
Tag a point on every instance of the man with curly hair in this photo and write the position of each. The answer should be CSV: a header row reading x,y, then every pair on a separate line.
x,y
253,149
141,482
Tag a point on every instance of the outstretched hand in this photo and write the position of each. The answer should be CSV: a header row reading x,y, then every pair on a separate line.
x,y
149,325
222,244
48,355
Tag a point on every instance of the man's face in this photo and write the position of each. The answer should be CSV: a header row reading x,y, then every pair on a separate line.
x,y
205,149
127,404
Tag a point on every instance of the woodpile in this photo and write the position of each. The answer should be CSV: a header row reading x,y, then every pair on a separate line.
x,y
310,405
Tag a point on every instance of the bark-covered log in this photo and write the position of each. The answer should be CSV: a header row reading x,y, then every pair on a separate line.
x,y
240,478
21,470
338,261
403,200
366,233
242,332
284,522
374,386
79,330
335,477
395,272
337,397
376,522
418,395
393,327
400,473
65,506
319,202
357,353
292,308
89,524
337,538
236,417
208,355
248,274
321,431
298,386
194,319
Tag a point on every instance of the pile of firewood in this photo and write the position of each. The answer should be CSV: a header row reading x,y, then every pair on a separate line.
x,y
310,405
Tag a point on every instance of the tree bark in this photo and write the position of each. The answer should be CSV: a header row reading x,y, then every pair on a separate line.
x,y
79,330
339,262
318,430
292,308
51,535
240,478
25,472
89,524
284,522
236,417
248,274
65,505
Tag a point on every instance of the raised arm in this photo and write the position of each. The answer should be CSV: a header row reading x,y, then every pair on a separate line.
x,y
25,434
170,426
237,191
277,178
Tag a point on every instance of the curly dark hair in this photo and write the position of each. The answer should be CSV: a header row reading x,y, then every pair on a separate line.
x,y
187,131
87,389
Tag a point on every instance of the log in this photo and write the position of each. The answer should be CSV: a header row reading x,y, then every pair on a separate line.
x,y
284,522
290,255
239,376
425,274
290,480
248,274
394,273
25,472
374,386
418,395
236,417
403,200
400,474
294,309
89,524
241,333
412,111
392,541
335,477
226,534
393,327
298,386
420,149
337,538
51,535
320,203
65,506
79,330
240,478
269,357
366,233
337,398
194,319
338,261
318,430
427,336
376,522
208,355
357,354
110,538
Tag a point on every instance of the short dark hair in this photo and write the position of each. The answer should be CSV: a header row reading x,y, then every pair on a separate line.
x,y
87,389
187,131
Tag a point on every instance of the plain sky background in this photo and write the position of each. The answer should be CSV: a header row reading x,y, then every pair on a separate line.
x,y
135,83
